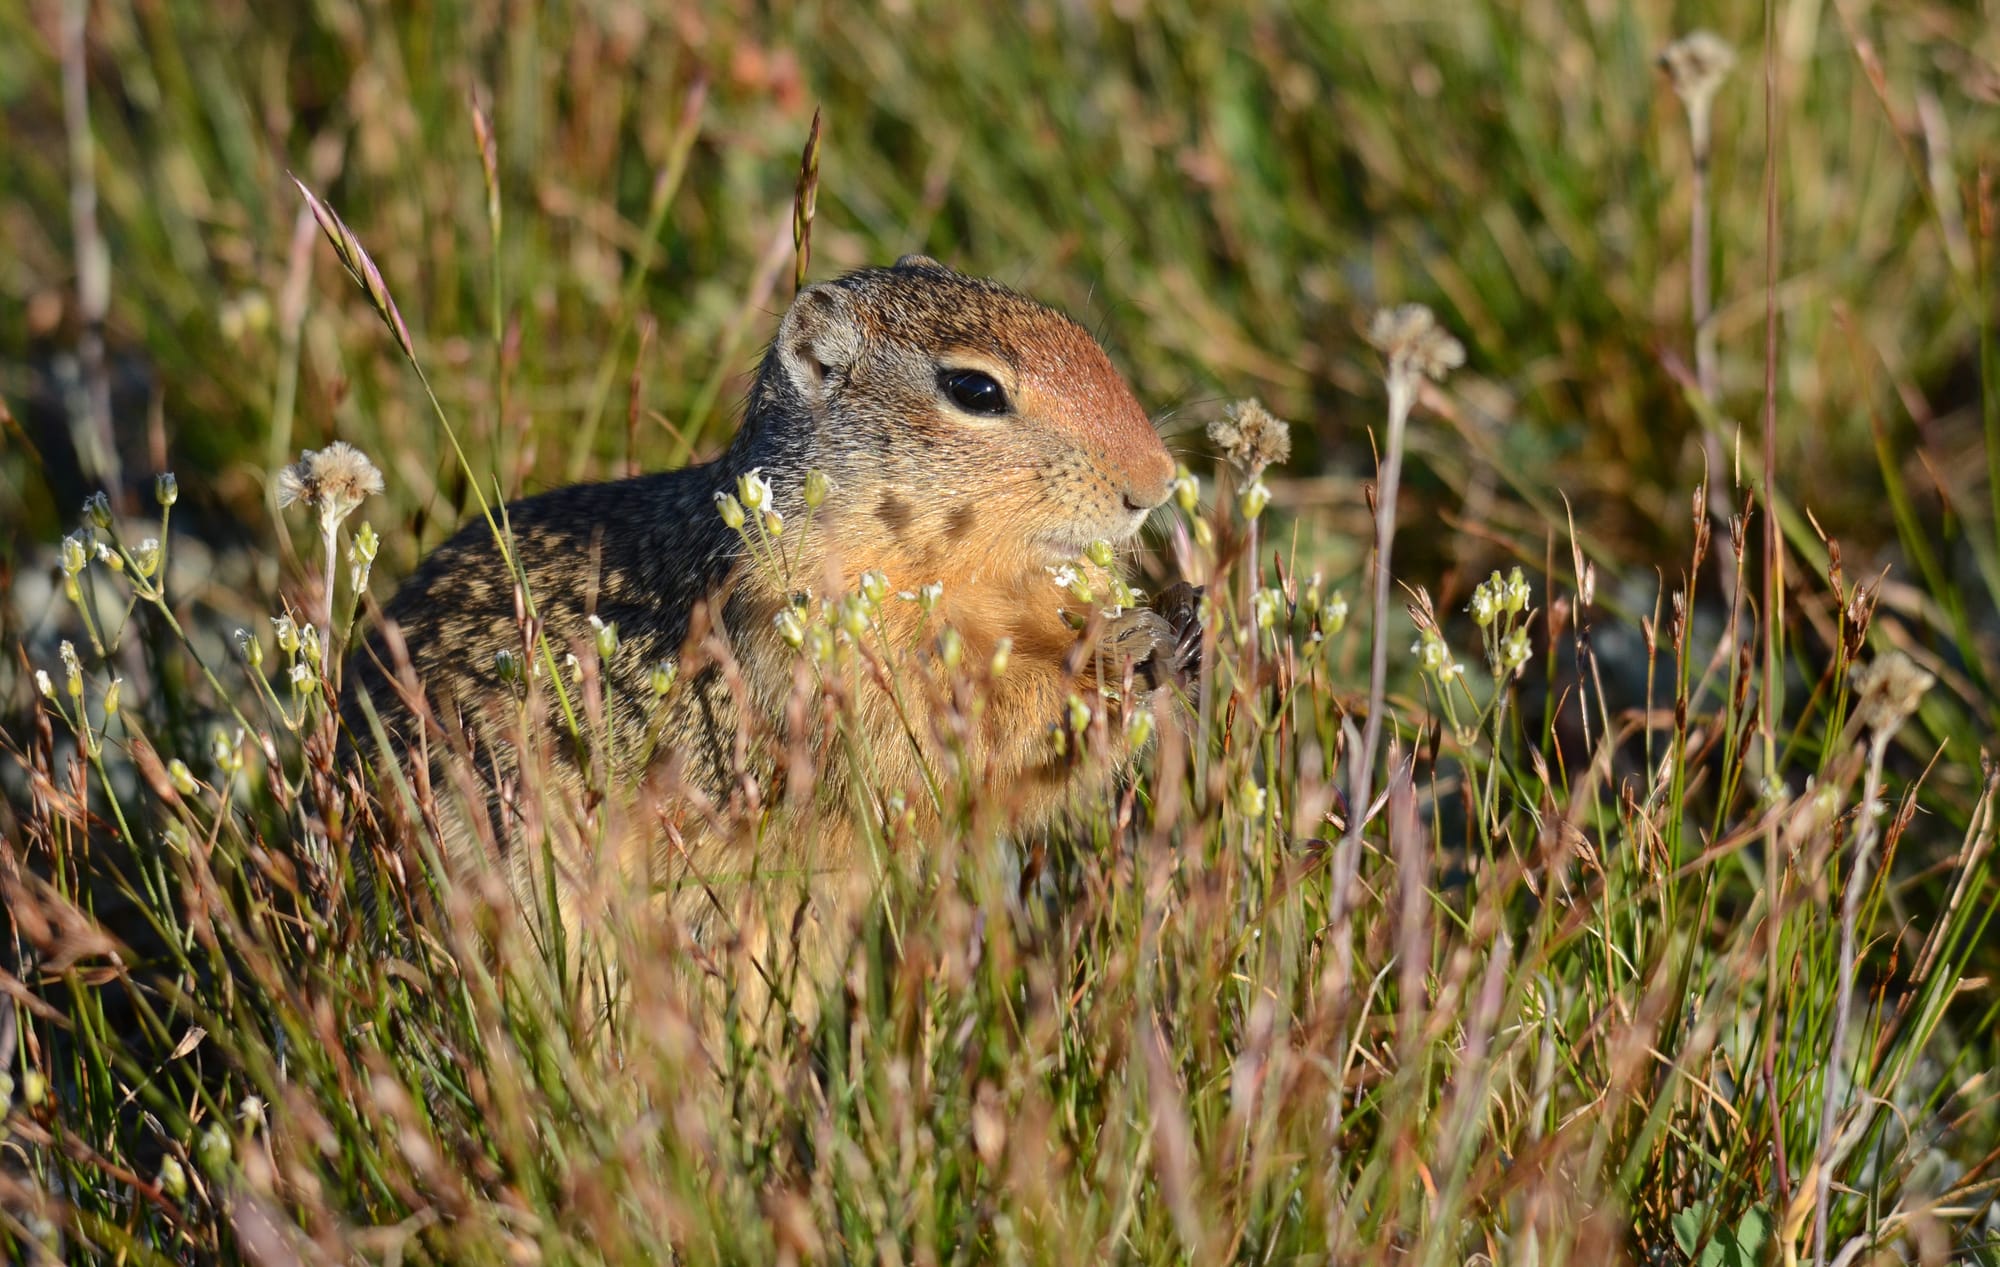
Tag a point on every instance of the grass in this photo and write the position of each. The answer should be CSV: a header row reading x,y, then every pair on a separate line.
x,y
1675,947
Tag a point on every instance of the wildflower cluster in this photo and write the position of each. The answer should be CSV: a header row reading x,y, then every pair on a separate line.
x,y
1500,608
751,512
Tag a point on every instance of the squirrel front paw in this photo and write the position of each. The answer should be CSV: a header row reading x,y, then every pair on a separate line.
x,y
1161,641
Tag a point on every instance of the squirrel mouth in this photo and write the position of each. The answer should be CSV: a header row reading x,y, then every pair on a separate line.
x,y
1064,546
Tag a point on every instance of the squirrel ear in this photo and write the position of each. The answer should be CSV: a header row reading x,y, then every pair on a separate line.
x,y
818,338
921,261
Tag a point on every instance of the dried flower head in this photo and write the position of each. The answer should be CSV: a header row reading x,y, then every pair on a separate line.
x,y
1696,64
1413,343
1888,690
333,481
1250,437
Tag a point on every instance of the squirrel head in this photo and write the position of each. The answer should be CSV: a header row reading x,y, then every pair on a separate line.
x,y
964,425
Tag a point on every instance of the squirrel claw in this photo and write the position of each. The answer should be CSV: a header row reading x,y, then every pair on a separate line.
x,y
1173,626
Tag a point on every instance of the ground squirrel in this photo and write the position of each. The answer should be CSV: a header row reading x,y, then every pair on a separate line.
x,y
972,437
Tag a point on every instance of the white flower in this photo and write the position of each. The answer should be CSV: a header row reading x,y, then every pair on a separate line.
x,y
1064,576
42,684
302,676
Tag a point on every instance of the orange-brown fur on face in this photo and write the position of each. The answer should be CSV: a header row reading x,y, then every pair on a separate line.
x,y
923,492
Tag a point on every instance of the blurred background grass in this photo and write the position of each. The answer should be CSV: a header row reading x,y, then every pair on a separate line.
x,y
1222,191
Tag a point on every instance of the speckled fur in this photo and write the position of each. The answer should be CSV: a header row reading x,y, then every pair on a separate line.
x,y
921,491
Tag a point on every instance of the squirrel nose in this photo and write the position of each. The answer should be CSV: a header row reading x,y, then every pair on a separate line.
x,y
1149,497
1152,489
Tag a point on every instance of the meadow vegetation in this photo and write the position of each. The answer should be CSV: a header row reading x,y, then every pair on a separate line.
x,y
1577,848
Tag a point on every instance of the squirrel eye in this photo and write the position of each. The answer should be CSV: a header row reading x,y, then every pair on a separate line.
x,y
973,391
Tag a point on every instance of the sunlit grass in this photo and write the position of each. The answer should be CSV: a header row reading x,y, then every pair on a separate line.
x,y
1659,924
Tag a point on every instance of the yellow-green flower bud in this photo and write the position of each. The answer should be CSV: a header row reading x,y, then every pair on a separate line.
x,y
213,1149
181,776
1251,798
1100,553
1265,605
75,553
1255,499
1482,607
1139,731
146,556
854,615
951,647
173,1178
816,489
97,509
754,490
111,693
1002,651
227,752
288,634
1078,713
1333,613
507,666
730,509
790,627
1187,490
166,489
874,586
72,669
663,676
